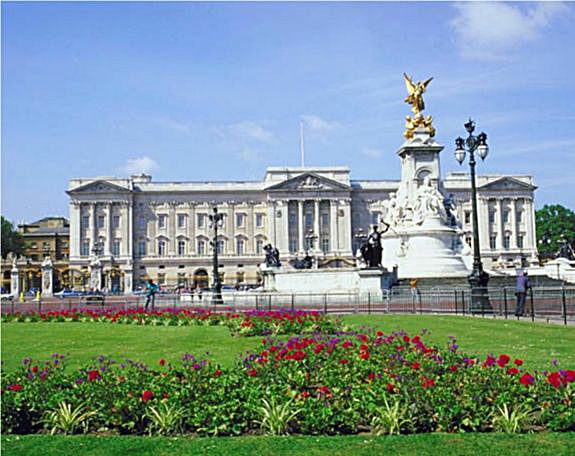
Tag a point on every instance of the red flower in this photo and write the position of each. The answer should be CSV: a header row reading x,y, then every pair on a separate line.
x,y
513,371
415,365
526,379
379,334
570,376
399,347
518,362
324,390
389,387
554,379
453,368
162,362
93,375
252,372
318,348
304,394
217,373
427,382
364,355
43,375
15,387
503,360
34,369
343,361
370,376
147,395
406,339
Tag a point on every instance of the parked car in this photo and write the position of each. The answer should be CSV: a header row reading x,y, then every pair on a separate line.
x,y
6,297
68,294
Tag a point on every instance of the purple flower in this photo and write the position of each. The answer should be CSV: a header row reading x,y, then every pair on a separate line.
x,y
26,361
196,366
30,375
554,362
79,381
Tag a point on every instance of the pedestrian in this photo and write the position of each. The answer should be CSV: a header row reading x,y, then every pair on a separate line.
x,y
200,294
521,286
415,294
151,289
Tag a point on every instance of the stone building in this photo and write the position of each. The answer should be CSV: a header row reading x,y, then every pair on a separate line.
x,y
140,228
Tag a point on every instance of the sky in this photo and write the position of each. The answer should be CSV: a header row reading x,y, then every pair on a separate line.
x,y
217,91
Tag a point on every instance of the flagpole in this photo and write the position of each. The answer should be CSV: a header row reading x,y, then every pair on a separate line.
x,y
301,147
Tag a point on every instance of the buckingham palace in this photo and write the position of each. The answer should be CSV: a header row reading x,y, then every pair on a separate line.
x,y
139,228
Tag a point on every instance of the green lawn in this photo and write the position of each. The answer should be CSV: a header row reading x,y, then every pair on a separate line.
x,y
422,444
536,343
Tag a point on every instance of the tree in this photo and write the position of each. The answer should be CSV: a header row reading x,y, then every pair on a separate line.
x,y
554,222
11,240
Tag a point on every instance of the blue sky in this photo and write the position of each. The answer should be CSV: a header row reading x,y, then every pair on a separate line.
x,y
216,91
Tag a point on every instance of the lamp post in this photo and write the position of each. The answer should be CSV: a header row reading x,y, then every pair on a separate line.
x,y
216,220
478,279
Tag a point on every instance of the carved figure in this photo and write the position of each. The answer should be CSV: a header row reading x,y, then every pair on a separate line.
x,y
371,249
415,93
272,256
428,203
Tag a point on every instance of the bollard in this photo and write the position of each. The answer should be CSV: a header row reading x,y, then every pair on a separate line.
x,y
269,303
505,301
369,303
325,303
564,305
292,301
257,303
12,306
455,292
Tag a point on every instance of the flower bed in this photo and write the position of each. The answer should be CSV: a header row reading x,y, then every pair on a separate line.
x,y
338,384
252,323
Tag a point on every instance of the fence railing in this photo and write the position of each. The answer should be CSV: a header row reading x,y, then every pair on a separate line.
x,y
548,303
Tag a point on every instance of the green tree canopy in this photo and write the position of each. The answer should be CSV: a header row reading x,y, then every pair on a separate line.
x,y
554,222
11,240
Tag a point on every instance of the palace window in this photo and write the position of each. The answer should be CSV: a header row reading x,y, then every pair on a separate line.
x,y
308,220
505,216
181,220
220,245
324,220
292,219
141,248
467,217
259,246
142,223
468,240
101,221
292,245
181,247
325,245
116,221
520,241
519,216
201,248
85,222
491,216
506,241
201,219
259,220
161,279
161,247
162,218
375,217
85,248
240,243
493,241
240,220
116,247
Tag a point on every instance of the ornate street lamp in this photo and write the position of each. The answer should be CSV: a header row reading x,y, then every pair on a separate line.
x,y
216,221
478,279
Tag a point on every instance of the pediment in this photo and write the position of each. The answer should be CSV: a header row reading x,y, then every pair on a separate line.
x,y
307,182
99,186
507,184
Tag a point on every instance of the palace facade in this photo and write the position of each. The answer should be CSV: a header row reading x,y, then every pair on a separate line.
x,y
140,228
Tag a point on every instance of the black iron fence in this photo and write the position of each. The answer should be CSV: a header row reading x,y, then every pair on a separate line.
x,y
542,303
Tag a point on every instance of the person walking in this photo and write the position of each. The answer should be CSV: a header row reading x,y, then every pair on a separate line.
x,y
415,294
151,289
521,286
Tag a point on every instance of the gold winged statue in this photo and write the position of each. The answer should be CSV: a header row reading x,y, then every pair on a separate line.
x,y
415,99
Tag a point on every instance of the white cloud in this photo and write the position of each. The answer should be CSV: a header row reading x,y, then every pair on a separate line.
x,y
248,131
319,125
139,165
373,153
490,30
172,124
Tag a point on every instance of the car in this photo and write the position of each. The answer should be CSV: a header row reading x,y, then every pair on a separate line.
x,y
68,294
7,297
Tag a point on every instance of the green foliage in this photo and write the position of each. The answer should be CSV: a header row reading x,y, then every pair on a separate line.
x,y
510,420
275,417
552,223
68,420
165,419
11,240
389,418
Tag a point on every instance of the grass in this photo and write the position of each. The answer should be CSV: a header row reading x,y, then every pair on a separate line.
x,y
536,343
420,444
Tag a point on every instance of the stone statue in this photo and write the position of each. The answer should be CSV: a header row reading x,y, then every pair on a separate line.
x,y
450,210
565,250
272,256
371,249
415,99
428,203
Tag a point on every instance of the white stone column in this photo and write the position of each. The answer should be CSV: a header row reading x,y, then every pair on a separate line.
x,y
108,243
529,214
500,224
127,218
271,222
300,231
483,222
192,230
15,281
283,228
345,228
94,208
316,231
75,228
250,249
333,238
513,221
